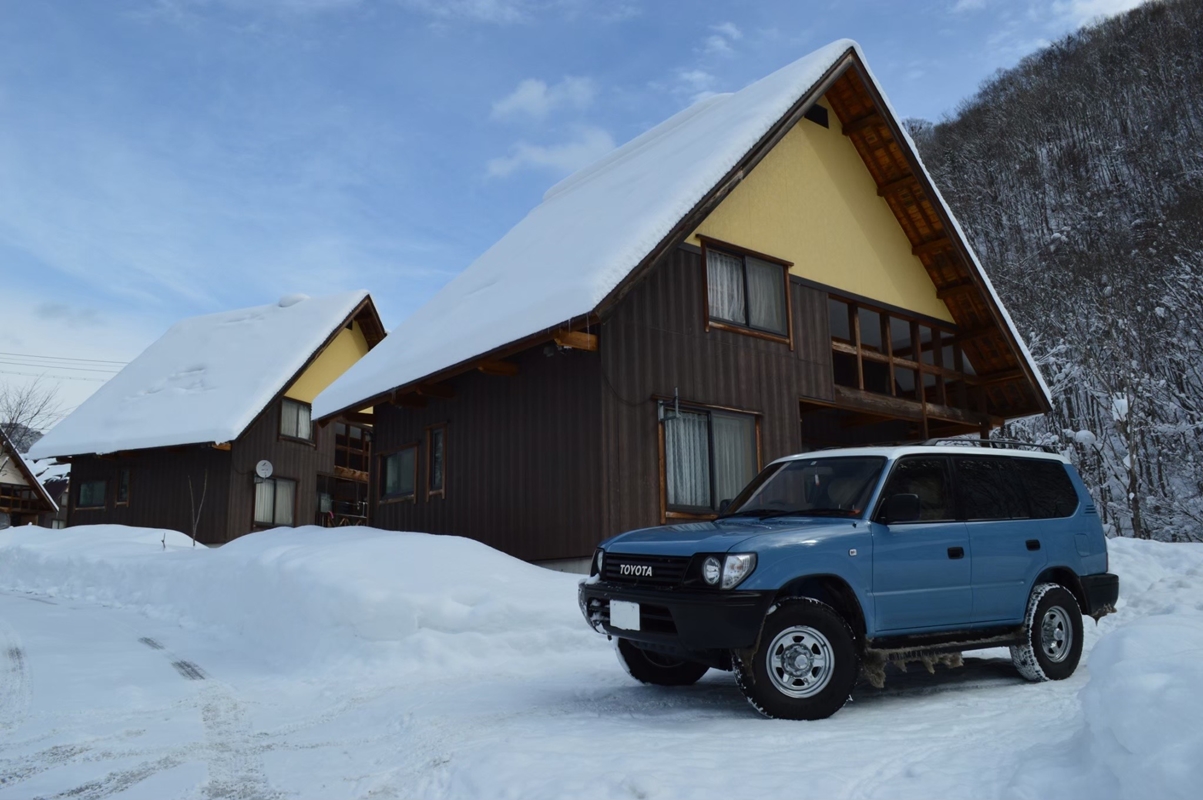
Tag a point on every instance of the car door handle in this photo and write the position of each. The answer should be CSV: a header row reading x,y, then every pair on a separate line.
x,y
1033,544
956,552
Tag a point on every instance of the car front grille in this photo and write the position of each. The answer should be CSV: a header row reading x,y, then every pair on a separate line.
x,y
652,572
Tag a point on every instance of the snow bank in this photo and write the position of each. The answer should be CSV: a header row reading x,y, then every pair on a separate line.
x,y
1140,733
313,594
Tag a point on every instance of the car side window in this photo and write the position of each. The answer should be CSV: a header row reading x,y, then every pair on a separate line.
x,y
989,487
1050,492
926,476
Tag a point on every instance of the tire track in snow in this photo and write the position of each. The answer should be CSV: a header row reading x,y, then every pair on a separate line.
x,y
14,678
233,751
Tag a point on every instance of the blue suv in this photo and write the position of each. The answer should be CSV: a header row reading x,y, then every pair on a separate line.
x,y
832,564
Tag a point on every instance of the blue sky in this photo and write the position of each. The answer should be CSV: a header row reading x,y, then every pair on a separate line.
x,y
166,158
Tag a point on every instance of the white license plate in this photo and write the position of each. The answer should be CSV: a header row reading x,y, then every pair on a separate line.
x,y
624,615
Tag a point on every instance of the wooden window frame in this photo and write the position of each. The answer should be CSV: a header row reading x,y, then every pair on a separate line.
x,y
667,513
124,472
747,330
364,451
79,494
296,499
389,499
284,437
429,431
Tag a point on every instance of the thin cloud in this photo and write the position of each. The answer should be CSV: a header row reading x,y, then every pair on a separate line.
x,y
962,6
728,29
589,145
534,98
1080,12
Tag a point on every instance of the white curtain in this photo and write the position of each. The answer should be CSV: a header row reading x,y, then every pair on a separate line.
x,y
725,287
286,493
288,418
734,454
687,453
265,498
304,426
766,295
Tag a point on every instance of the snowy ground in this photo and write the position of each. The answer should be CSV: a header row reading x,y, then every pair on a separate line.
x,y
322,664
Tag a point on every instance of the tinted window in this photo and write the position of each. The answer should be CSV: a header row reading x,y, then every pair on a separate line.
x,y
926,476
1049,489
989,488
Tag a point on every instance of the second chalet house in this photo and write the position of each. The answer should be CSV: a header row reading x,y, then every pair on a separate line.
x,y
23,498
766,272
209,431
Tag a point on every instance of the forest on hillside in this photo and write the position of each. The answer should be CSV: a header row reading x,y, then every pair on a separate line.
x,y
1078,176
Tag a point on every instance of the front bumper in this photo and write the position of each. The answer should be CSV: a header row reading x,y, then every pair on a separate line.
x,y
1102,593
692,620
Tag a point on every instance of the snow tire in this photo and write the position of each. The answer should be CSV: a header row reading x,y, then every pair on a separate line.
x,y
1052,644
825,643
656,668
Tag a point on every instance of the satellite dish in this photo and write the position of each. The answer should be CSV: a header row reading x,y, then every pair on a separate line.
x,y
264,469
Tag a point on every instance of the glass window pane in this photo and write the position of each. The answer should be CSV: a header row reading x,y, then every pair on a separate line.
x,y
304,426
392,475
900,338
766,296
844,366
925,338
437,439
288,418
870,329
725,287
687,456
988,488
1050,492
877,377
123,486
286,492
837,320
734,454
91,494
928,478
406,460
904,383
265,501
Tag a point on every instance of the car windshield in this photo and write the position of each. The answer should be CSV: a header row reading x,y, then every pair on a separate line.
x,y
810,487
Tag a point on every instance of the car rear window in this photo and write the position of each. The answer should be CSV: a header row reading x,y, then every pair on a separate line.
x,y
1050,492
989,488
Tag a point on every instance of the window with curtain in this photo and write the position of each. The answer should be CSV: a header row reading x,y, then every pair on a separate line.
x,y
746,291
275,501
436,446
398,474
91,494
123,487
294,420
709,457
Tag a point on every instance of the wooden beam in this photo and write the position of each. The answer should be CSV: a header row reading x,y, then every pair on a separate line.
x,y
439,390
1001,377
963,286
907,181
504,369
358,418
351,474
860,123
972,335
932,247
578,340
409,400
221,446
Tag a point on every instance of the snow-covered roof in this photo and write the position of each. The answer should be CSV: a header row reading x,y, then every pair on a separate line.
x,y
589,233
205,380
9,451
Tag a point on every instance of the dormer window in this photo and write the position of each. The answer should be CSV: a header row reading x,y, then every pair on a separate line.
x,y
747,291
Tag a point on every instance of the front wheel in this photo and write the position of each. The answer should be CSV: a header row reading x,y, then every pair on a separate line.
x,y
657,668
806,664
1052,643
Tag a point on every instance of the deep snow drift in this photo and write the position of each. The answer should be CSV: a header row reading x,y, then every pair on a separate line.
x,y
366,664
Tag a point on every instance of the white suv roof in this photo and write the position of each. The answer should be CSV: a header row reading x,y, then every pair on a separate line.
x,y
950,446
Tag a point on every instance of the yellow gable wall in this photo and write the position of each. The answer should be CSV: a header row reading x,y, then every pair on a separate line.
x,y
812,201
347,348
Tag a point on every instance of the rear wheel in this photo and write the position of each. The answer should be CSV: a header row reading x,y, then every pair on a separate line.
x,y
1052,643
806,665
657,668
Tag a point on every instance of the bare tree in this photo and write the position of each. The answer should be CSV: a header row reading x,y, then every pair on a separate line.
x,y
26,409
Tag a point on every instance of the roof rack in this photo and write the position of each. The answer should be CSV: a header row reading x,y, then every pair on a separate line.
x,y
994,444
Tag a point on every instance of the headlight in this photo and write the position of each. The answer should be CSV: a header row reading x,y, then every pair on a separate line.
x,y
736,568
597,561
712,570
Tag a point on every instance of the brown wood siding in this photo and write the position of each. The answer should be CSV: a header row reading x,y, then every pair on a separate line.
x,y
299,461
158,490
655,342
523,460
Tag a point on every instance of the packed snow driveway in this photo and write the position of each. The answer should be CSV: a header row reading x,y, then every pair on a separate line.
x,y
315,664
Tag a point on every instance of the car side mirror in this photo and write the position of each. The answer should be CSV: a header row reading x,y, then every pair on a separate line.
x,y
902,508
723,506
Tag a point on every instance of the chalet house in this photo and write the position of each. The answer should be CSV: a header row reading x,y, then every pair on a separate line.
x,y
766,272
209,431
23,499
